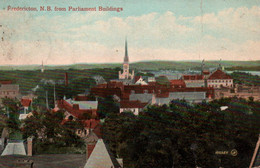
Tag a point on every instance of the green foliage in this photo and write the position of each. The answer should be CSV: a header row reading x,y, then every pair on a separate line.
x,y
246,78
48,130
148,74
182,135
107,106
11,109
162,80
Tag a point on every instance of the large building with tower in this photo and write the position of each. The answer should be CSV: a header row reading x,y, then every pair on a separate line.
x,y
126,71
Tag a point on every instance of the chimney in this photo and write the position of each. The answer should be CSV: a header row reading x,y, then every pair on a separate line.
x,y
29,146
66,79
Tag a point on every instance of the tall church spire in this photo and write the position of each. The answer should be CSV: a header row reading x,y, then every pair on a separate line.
x,y
126,59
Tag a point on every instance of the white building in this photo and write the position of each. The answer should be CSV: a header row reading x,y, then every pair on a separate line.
x,y
218,79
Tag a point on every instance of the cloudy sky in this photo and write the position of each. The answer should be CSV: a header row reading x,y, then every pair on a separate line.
x,y
168,30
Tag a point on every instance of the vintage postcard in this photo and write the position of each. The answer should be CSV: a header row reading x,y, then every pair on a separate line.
x,y
129,83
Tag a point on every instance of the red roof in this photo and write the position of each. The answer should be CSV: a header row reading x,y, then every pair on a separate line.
x,y
162,95
137,78
218,74
132,104
26,102
92,123
178,83
205,72
81,98
75,111
5,82
192,77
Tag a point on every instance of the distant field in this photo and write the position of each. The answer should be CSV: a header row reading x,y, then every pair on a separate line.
x,y
149,65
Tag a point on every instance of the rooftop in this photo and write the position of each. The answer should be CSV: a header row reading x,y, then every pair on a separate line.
x,y
44,161
84,105
219,74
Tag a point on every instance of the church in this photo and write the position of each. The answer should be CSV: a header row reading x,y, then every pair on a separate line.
x,y
126,75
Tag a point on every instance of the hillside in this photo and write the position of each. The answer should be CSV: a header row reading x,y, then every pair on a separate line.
x,y
147,65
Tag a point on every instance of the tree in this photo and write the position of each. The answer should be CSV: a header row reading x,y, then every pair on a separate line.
x,y
165,136
48,130
107,106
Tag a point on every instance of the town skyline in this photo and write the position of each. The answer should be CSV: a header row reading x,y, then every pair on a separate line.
x,y
174,31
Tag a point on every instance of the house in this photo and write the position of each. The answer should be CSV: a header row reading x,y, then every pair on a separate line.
x,y
133,106
101,157
241,91
91,125
9,91
78,109
194,80
26,103
192,97
178,83
140,81
218,79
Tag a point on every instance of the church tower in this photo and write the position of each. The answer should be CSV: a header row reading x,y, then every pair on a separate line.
x,y
125,74
42,69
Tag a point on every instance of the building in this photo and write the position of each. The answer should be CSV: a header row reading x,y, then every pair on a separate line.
x,y
241,91
219,79
139,80
194,80
126,72
26,103
91,125
177,83
132,106
9,91
78,109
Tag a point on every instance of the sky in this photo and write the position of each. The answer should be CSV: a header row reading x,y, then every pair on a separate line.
x,y
155,30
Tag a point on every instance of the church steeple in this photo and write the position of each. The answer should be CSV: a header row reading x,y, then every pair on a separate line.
x,y
126,74
126,59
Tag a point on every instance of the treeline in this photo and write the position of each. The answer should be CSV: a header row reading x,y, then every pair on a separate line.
x,y
78,79
243,68
246,78
182,135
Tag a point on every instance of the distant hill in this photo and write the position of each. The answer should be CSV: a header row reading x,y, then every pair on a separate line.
x,y
147,65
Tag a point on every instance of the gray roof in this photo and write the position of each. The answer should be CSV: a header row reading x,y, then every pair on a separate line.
x,y
9,87
46,160
91,138
188,96
5,133
142,97
14,148
84,105
101,157
195,84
